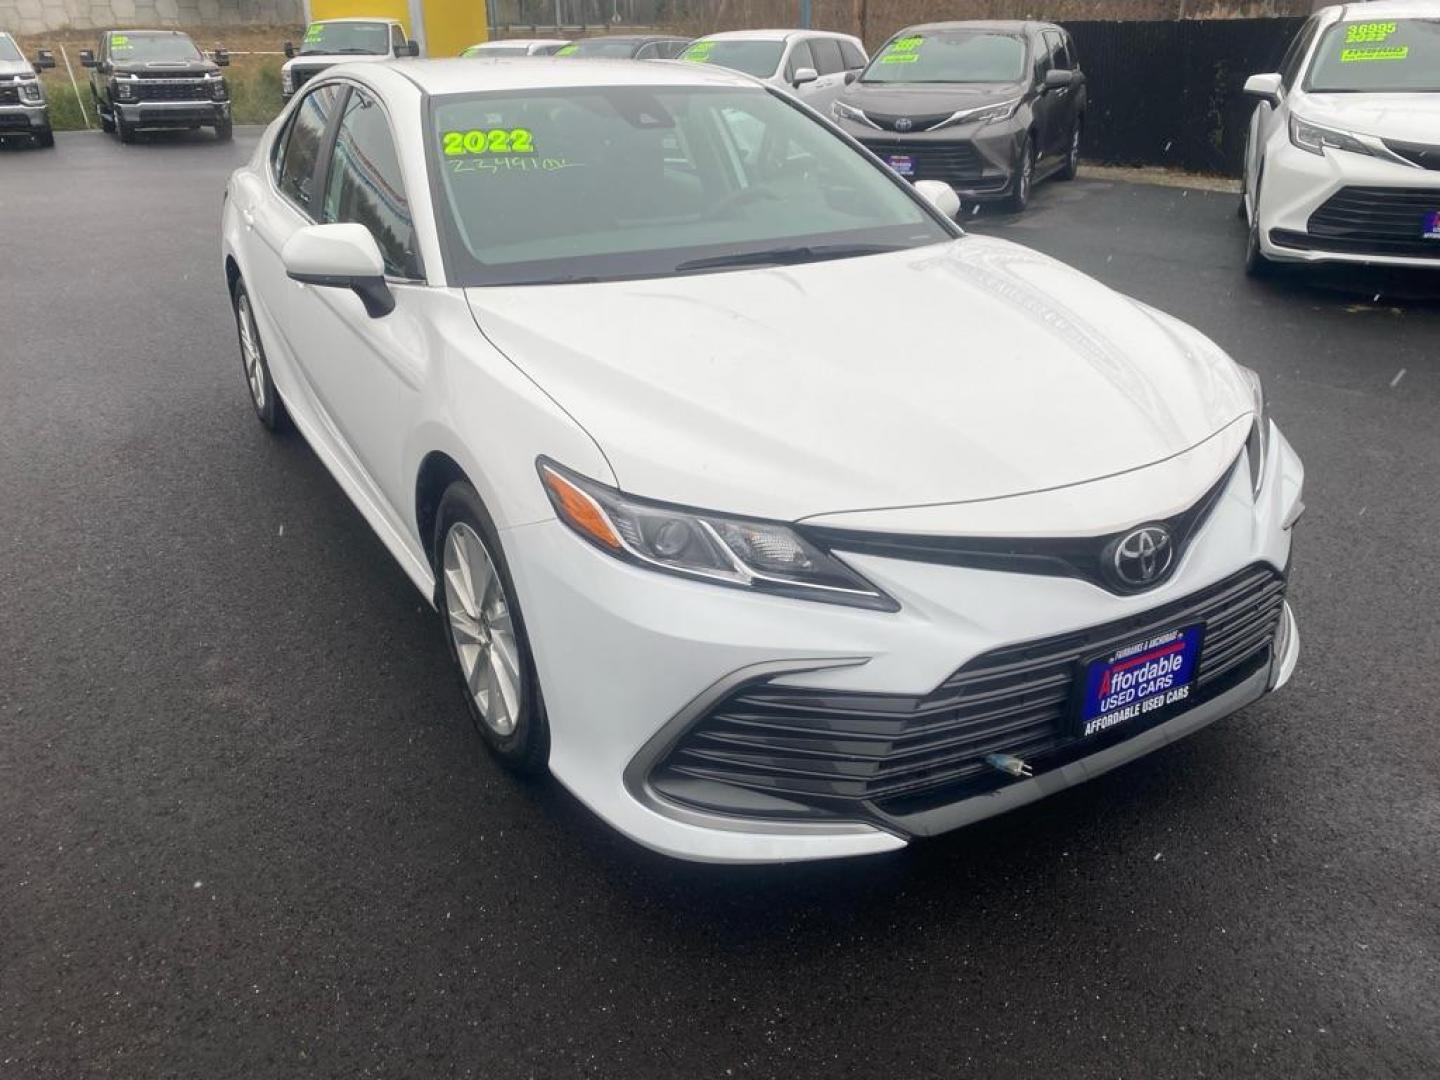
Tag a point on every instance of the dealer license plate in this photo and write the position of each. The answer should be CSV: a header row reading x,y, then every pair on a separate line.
x,y
1432,226
901,163
1134,681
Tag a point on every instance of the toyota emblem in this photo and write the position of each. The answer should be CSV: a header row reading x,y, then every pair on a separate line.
x,y
1142,557
904,124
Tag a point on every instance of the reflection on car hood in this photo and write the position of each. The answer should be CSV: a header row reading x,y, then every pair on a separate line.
x,y
165,68
968,370
319,61
919,99
1407,117
10,68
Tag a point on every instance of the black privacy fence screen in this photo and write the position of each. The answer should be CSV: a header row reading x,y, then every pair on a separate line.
x,y
1170,93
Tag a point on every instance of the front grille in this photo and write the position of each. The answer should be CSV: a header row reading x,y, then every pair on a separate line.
x,y
882,756
1427,157
1371,221
301,76
178,90
916,123
958,163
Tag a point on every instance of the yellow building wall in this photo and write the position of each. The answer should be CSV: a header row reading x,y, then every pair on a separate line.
x,y
450,25
362,9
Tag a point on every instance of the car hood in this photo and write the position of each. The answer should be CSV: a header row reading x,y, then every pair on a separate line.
x,y
963,371
325,60
10,68
919,99
1406,117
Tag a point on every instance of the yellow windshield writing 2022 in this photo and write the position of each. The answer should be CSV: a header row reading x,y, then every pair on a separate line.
x,y
495,141
903,51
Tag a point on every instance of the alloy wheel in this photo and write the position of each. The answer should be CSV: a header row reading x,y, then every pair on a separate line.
x,y
250,352
482,629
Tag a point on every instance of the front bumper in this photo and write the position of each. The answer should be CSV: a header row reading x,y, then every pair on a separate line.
x,y
173,114
977,161
629,660
1345,208
24,118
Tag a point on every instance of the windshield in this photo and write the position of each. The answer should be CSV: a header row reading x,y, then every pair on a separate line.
x,y
600,47
949,56
625,182
135,47
1401,56
496,50
8,51
758,58
367,38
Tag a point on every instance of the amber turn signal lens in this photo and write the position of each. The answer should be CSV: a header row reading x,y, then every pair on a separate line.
x,y
580,511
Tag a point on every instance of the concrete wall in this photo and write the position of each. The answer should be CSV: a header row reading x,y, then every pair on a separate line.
x,y
39,16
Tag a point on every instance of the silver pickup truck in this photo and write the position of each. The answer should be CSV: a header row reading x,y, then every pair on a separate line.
x,y
23,110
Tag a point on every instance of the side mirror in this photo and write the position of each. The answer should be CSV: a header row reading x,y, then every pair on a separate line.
x,y
1264,87
410,48
805,75
1058,80
851,76
341,256
939,195
289,50
221,56
44,60
87,58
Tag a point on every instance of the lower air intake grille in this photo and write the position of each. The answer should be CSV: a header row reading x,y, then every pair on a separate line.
x,y
956,163
1372,221
880,755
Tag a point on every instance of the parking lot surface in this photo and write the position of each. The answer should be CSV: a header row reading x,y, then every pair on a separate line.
x,y
246,829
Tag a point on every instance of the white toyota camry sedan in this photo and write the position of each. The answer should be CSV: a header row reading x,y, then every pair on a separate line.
x,y
776,516
1343,157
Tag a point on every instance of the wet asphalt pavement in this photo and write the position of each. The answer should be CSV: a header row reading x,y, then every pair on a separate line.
x,y
246,830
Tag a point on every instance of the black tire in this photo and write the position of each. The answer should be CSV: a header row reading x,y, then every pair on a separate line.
x,y
107,123
264,398
224,131
526,749
1019,197
44,138
1071,168
124,130
1256,264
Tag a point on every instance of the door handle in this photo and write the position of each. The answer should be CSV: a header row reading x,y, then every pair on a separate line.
x,y
249,217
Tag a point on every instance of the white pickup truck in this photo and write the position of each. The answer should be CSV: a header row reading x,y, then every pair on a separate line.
x,y
342,41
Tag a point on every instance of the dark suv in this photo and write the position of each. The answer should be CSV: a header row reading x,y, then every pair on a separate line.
x,y
987,107
157,79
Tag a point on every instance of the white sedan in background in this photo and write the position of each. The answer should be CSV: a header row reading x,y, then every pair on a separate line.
x,y
775,515
1343,159
516,47
811,64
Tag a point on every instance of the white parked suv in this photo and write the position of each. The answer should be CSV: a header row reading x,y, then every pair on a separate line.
x,y
342,41
812,64
1343,159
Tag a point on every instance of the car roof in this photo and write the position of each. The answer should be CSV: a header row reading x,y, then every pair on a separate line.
x,y
771,35
519,41
463,76
1004,26
1384,9
639,39
354,19
162,32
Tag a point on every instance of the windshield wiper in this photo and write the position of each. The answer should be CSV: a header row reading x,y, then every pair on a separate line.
x,y
789,256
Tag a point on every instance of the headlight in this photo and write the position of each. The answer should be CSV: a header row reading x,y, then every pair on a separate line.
x,y
986,114
219,91
1317,139
1257,447
31,93
760,555
287,81
840,111
124,89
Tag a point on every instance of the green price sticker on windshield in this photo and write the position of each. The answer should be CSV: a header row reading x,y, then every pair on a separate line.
x,y
568,50
1353,56
903,51
699,52
315,34
1369,32
495,141
119,41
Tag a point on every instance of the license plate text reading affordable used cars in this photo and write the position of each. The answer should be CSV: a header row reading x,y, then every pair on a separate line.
x,y
1139,678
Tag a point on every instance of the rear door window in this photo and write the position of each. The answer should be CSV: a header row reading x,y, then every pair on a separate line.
x,y
799,58
826,53
854,58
